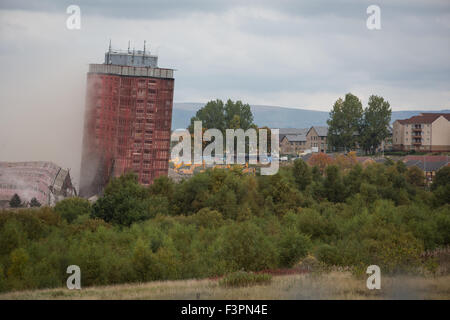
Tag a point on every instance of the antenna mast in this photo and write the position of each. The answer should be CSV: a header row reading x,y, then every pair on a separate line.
x,y
143,56
109,53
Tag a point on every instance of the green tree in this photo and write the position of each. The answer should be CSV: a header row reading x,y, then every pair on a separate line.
x,y
334,186
245,246
144,261
375,124
442,178
35,203
71,208
415,176
293,246
401,166
216,114
243,113
125,201
212,115
302,174
15,201
344,123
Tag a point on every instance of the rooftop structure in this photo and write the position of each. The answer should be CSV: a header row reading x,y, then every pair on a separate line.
x,y
131,58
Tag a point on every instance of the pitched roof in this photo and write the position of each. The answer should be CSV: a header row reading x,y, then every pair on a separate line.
x,y
426,158
426,166
291,131
295,137
425,118
322,131
286,131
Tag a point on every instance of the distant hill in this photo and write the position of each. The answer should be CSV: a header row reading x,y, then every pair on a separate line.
x,y
274,117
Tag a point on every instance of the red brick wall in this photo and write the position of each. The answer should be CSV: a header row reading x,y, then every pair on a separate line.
x,y
127,128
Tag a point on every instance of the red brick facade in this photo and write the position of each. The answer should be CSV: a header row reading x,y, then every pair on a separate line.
x,y
127,128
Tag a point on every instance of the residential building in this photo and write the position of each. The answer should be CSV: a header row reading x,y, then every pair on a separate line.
x,y
128,119
425,132
293,144
316,138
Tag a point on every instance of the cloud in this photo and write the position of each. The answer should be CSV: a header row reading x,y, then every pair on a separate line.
x,y
290,53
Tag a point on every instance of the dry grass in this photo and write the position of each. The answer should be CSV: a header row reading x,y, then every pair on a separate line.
x,y
333,285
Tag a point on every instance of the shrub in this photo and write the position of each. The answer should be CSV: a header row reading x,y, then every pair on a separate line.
x,y
34,203
207,218
143,261
302,174
442,178
12,236
293,246
245,279
71,208
125,201
328,254
15,201
245,246
415,176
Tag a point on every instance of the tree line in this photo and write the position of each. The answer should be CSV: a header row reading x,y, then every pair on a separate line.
x,y
351,126
221,221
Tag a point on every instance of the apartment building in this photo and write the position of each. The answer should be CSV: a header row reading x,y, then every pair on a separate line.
x,y
425,132
127,119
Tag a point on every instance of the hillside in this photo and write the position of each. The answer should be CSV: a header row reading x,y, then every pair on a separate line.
x,y
274,116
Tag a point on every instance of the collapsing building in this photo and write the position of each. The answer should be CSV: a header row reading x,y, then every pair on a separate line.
x,y
128,120
45,181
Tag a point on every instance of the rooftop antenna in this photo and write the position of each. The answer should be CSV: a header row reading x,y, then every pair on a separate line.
x,y
143,56
128,46
132,57
109,53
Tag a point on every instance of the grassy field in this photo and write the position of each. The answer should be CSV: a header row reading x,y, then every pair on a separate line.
x,y
333,285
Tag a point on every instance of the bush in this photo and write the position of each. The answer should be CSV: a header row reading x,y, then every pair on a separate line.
x,y
302,174
71,208
207,218
328,254
34,203
125,201
245,246
245,279
15,201
293,246
442,178
415,176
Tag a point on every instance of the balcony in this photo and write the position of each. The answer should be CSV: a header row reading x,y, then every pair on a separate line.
x,y
417,129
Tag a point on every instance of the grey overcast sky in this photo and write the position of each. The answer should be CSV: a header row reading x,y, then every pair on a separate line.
x,y
299,54
289,53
